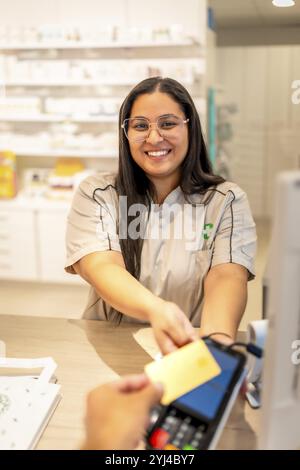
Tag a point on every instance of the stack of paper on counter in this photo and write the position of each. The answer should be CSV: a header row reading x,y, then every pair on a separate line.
x,y
27,401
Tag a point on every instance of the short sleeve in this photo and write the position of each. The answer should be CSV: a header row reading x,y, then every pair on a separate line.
x,y
92,221
235,237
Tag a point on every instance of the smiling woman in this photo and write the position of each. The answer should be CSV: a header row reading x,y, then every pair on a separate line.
x,y
161,149
175,278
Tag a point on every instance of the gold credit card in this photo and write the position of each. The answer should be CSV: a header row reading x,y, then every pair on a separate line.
x,y
183,370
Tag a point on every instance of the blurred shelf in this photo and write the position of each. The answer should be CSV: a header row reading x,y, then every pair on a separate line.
x,y
58,118
70,83
96,119
64,153
22,201
105,45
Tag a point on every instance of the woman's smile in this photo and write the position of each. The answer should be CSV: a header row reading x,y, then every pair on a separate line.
x,y
160,154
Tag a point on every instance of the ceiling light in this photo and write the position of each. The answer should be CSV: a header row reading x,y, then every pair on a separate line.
x,y
283,3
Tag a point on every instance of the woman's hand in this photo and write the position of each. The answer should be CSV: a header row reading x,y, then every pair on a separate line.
x,y
171,326
118,413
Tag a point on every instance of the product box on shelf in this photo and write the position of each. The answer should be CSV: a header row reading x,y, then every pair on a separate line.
x,y
8,176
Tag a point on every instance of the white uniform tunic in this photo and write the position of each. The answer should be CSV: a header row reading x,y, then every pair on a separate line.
x,y
183,240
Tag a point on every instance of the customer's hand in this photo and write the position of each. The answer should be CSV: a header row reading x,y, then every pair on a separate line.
x,y
118,413
171,327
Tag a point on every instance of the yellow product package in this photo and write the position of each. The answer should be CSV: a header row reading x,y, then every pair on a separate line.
x,y
8,175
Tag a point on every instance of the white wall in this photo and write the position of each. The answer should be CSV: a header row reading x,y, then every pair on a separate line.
x,y
267,138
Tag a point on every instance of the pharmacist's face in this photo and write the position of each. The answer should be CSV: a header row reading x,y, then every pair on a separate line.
x,y
160,156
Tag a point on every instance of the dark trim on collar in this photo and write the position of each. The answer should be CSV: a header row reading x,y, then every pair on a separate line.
x,y
231,233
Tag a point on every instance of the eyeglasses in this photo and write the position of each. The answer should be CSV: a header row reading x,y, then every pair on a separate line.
x,y
138,129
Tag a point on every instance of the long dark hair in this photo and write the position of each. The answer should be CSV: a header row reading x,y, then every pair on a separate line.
x,y
131,181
